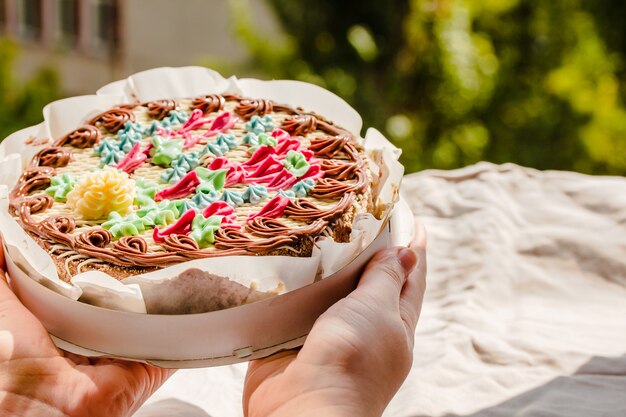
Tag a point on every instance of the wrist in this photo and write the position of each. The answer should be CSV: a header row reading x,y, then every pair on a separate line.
x,y
314,391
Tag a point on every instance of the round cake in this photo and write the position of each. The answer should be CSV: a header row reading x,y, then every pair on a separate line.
x,y
148,185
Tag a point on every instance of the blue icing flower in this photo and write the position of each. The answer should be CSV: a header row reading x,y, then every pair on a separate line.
x,y
188,161
255,194
302,188
112,157
226,142
105,146
177,117
128,140
173,174
260,125
251,139
131,127
215,149
152,129
204,197
232,198
287,193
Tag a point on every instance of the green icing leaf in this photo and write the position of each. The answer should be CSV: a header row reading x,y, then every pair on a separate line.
x,y
203,229
211,179
119,226
145,191
296,163
256,141
161,214
164,151
60,186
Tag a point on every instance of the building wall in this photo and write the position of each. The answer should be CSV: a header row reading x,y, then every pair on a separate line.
x,y
150,33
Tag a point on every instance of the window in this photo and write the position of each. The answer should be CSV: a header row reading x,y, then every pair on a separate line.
x,y
106,23
67,13
29,21
3,15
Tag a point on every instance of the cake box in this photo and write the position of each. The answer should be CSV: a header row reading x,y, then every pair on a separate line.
x,y
114,319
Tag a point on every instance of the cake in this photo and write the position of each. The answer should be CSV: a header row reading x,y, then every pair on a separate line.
x,y
148,185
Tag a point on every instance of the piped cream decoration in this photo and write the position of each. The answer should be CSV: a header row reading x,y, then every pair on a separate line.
x,y
98,193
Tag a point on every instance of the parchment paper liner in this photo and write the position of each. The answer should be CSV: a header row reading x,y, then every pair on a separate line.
x,y
263,273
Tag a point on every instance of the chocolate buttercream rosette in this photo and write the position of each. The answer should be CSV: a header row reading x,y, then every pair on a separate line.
x,y
139,188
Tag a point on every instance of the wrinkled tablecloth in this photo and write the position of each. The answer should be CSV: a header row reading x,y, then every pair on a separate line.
x,y
525,311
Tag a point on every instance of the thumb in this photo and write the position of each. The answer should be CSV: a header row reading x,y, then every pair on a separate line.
x,y
385,275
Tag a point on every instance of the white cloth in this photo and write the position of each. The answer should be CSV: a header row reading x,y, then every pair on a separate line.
x,y
525,311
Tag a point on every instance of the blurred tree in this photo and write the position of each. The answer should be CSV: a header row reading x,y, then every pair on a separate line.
x,y
21,104
453,82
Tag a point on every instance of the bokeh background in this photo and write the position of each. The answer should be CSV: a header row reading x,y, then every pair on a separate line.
x,y
535,82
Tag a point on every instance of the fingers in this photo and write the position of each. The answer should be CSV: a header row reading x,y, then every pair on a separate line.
x,y
412,293
385,275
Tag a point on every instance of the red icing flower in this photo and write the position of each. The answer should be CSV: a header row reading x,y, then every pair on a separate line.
x,y
186,186
181,227
133,160
273,209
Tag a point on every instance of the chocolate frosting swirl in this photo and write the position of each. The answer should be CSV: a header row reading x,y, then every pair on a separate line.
x,y
306,211
57,228
159,109
99,238
84,137
35,204
209,103
34,178
230,238
248,107
300,124
113,120
266,227
132,244
342,171
180,243
332,188
328,146
54,157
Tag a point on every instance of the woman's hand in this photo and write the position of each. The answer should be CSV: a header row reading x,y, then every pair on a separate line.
x,y
37,379
357,354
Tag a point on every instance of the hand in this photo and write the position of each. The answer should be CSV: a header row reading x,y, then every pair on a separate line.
x,y
358,352
37,379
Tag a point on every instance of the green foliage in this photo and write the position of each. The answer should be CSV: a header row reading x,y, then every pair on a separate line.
x,y
21,104
453,82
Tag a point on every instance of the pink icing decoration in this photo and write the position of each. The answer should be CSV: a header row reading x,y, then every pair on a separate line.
x,y
280,135
273,209
221,208
235,175
315,172
181,189
181,227
133,160
259,155
219,163
282,180
221,123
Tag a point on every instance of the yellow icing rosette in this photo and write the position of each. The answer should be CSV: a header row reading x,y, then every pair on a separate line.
x,y
98,193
